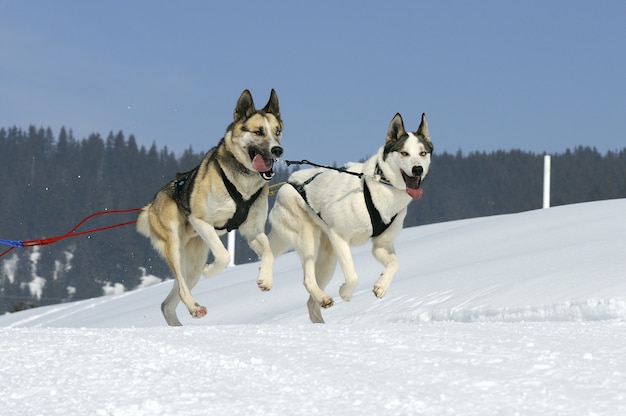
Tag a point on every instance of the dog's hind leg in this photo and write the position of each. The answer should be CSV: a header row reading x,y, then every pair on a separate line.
x,y
325,265
294,226
168,307
342,250
261,246
278,243
277,246
176,257
307,247
253,230
196,253
315,311
285,227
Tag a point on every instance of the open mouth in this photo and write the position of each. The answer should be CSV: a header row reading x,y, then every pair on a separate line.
x,y
263,165
413,185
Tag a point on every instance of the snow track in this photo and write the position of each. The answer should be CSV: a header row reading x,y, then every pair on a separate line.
x,y
517,314
540,368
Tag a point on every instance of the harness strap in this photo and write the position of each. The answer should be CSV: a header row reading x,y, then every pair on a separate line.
x,y
300,187
183,187
242,207
378,176
378,225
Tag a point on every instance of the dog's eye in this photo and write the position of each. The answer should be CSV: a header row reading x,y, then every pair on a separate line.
x,y
405,154
423,154
278,132
260,132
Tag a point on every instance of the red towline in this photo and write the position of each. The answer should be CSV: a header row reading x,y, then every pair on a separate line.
x,y
71,233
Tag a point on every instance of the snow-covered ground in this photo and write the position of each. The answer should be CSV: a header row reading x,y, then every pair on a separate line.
x,y
514,314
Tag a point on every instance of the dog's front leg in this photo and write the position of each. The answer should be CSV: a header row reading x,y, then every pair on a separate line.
x,y
220,253
384,251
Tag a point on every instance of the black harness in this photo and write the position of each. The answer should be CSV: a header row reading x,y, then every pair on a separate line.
x,y
378,225
183,187
242,207
300,188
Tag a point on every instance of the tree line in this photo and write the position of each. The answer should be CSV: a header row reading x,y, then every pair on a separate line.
x,y
48,184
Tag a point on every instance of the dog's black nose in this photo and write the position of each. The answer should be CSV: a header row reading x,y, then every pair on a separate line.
x,y
417,170
277,151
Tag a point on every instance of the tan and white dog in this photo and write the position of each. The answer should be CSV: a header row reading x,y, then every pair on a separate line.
x,y
324,212
227,191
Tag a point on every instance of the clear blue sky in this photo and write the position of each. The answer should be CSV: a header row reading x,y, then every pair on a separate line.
x,y
490,75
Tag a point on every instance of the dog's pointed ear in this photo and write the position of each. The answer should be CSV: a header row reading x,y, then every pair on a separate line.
x,y
422,130
396,128
272,105
245,106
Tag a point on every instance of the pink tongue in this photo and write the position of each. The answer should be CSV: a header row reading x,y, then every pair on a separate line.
x,y
260,164
415,193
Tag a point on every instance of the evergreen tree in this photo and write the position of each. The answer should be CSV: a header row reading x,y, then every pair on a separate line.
x,y
49,185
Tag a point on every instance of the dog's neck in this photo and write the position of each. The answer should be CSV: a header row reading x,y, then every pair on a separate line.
x,y
373,166
235,166
248,181
378,173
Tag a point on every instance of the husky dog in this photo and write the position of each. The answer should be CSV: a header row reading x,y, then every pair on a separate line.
x,y
323,212
227,191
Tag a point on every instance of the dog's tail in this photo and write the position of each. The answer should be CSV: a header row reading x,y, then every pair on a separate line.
x,y
143,221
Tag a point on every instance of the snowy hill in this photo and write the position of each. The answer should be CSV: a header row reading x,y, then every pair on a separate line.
x,y
516,313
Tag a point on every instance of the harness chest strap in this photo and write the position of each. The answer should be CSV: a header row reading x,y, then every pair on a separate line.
x,y
378,225
242,207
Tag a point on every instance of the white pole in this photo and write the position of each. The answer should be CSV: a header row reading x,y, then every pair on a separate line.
x,y
546,181
231,247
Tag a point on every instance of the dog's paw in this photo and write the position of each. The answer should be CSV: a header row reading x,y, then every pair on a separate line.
x,y
264,285
379,291
198,311
346,291
327,302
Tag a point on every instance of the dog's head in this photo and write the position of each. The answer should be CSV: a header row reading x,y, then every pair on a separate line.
x,y
255,134
410,153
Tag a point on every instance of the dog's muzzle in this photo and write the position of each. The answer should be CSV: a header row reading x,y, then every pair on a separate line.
x,y
276,151
265,165
413,182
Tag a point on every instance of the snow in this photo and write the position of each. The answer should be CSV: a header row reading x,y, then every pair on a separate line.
x,y
515,314
9,267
